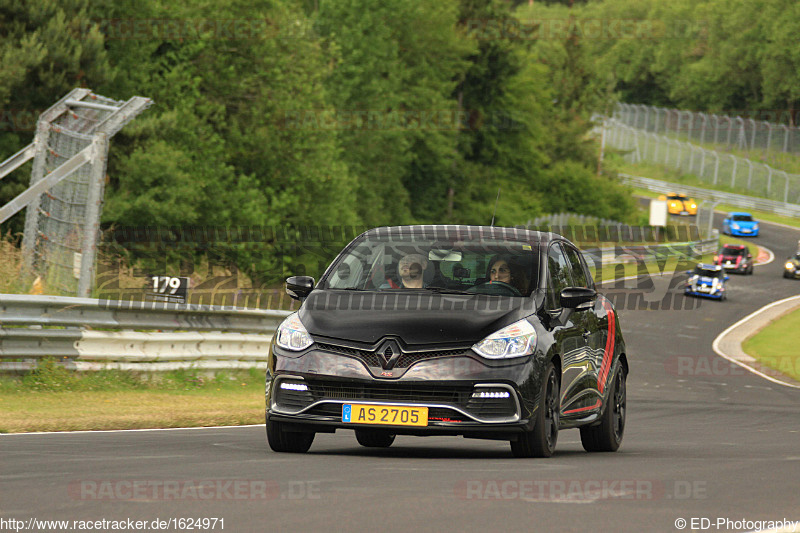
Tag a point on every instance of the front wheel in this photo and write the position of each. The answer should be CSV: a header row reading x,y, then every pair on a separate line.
x,y
281,440
374,438
541,441
607,436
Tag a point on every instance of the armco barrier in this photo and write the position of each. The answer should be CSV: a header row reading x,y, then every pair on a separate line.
x,y
90,334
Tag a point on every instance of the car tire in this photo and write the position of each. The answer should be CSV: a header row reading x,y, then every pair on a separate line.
x,y
281,440
374,438
607,435
541,441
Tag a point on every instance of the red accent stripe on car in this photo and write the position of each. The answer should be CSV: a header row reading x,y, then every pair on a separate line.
x,y
608,354
596,405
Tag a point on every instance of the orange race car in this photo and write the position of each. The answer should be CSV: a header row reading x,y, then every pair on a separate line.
x,y
679,204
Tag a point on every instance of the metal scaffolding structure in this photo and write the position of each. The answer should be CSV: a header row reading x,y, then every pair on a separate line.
x,y
65,197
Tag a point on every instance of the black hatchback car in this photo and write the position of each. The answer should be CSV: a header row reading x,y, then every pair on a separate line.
x,y
484,332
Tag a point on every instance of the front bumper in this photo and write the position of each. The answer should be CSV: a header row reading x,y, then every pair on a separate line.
x,y
313,402
717,294
464,395
730,267
744,232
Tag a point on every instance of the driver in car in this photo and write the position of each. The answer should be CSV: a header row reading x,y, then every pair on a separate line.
x,y
503,269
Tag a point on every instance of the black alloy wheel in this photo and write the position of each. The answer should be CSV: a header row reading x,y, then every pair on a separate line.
x,y
607,435
541,441
281,440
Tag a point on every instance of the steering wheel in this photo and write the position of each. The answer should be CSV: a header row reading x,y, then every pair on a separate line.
x,y
497,288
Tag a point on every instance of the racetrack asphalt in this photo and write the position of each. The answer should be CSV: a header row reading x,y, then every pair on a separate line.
x,y
704,439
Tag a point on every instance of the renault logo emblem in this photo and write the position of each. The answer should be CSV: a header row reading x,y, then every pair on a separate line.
x,y
389,352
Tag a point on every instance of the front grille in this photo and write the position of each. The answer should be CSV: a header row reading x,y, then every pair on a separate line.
x,y
372,359
399,392
424,393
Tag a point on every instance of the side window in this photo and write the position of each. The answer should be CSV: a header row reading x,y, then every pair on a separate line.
x,y
557,275
580,274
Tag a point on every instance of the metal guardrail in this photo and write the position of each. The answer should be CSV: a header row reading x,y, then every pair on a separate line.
x,y
92,334
736,200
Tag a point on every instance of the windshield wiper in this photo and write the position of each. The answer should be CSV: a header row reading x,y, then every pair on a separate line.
x,y
445,290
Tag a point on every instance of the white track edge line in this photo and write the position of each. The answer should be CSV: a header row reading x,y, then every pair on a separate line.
x,y
718,350
126,430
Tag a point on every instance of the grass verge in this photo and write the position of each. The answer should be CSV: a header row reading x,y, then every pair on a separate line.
x,y
54,399
775,346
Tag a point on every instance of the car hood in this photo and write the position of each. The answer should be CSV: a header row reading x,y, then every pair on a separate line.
x,y
415,317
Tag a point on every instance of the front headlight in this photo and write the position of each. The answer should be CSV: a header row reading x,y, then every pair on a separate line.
x,y
789,265
515,340
735,226
292,335
755,226
694,206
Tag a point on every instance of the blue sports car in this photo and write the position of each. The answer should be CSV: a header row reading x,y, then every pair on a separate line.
x,y
740,224
708,281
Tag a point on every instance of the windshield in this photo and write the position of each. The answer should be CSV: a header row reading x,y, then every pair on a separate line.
x,y
409,262
742,218
699,271
732,251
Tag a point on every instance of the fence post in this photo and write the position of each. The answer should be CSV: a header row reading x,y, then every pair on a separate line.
x,y
716,167
769,179
786,188
769,138
785,138
733,174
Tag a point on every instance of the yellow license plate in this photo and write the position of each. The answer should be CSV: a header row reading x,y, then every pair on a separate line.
x,y
394,415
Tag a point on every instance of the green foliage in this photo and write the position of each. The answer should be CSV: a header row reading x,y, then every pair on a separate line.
x,y
323,113
711,55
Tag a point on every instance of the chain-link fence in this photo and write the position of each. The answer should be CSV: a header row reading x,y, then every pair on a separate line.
x,y
745,134
711,167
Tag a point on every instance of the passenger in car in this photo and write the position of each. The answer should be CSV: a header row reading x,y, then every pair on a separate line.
x,y
410,271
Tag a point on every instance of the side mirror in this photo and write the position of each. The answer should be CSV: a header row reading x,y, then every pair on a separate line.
x,y
577,298
299,286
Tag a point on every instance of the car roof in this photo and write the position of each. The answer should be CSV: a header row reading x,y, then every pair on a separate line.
x,y
464,232
735,246
740,213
